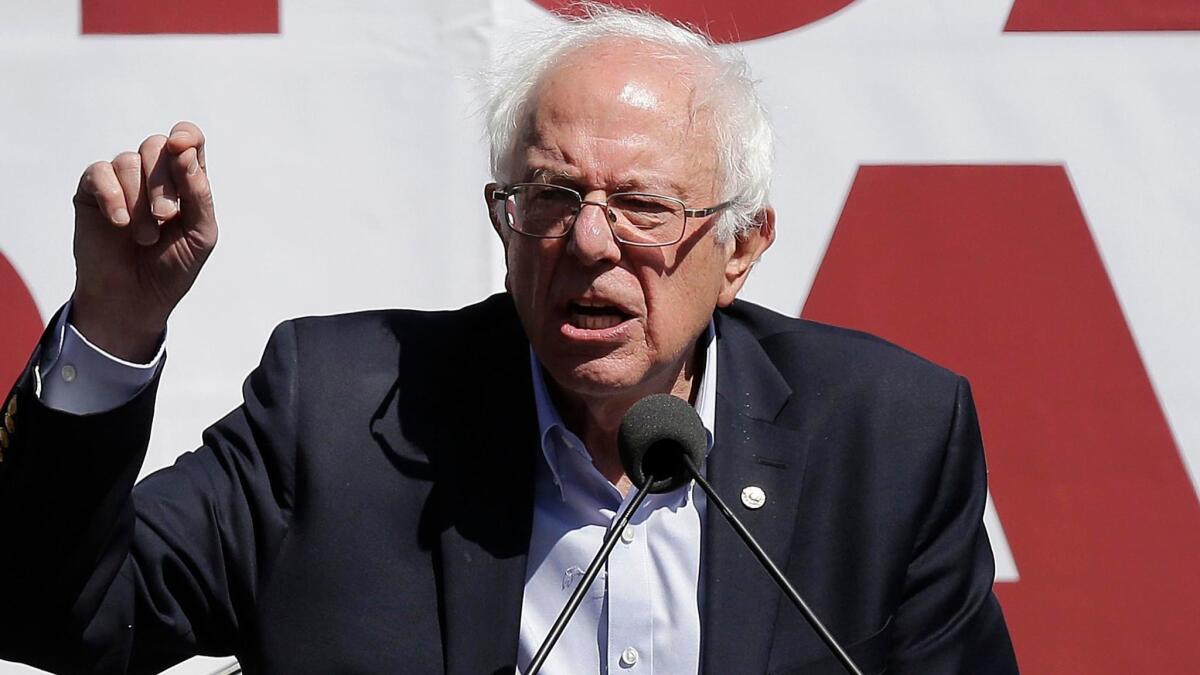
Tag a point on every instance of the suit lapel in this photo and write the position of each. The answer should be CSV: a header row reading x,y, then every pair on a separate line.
x,y
488,508
477,443
471,430
484,544
751,449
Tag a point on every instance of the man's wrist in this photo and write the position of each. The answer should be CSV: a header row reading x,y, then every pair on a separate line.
x,y
128,339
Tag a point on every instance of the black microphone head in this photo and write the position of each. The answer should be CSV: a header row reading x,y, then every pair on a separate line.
x,y
654,436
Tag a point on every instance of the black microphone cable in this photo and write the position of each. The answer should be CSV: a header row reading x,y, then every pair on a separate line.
x,y
667,434
568,610
767,564
658,440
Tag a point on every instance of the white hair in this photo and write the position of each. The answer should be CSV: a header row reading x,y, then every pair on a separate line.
x,y
743,136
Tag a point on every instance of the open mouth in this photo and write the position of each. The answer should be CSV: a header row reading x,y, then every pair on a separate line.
x,y
594,316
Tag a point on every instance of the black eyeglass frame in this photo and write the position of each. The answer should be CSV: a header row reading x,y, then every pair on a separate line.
x,y
504,193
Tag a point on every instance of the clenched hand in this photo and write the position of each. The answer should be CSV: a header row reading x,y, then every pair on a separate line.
x,y
144,225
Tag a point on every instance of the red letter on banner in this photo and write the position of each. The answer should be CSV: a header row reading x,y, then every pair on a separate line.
x,y
727,20
192,16
1110,15
22,325
991,270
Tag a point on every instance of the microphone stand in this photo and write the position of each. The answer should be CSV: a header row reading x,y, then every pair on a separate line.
x,y
589,576
780,580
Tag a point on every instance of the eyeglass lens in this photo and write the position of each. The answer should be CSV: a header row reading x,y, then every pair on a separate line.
x,y
549,211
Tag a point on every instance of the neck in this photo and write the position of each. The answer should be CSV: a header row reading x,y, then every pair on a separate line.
x,y
596,419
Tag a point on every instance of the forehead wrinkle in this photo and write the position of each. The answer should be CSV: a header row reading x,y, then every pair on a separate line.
x,y
545,165
555,160
548,156
635,180
566,141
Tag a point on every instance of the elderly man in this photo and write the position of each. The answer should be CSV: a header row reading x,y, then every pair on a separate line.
x,y
428,503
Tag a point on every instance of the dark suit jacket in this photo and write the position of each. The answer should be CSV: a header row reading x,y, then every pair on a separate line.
x,y
368,509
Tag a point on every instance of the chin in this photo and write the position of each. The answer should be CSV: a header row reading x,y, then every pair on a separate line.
x,y
603,376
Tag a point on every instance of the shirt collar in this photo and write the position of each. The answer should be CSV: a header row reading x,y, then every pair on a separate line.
x,y
552,431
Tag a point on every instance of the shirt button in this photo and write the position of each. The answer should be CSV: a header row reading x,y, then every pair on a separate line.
x,y
627,537
68,373
629,657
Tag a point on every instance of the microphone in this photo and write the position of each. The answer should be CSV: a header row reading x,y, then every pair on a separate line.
x,y
657,434
662,435
658,441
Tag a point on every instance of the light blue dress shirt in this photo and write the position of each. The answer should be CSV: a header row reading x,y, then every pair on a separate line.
x,y
75,376
642,614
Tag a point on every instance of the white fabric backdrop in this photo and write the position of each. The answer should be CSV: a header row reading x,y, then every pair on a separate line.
x,y
347,160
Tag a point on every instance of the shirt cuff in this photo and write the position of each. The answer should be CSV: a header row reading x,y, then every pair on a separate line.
x,y
75,376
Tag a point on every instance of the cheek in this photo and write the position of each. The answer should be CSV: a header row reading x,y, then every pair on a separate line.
x,y
681,302
530,265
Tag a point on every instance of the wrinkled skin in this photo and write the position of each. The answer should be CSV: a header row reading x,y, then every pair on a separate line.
x,y
613,117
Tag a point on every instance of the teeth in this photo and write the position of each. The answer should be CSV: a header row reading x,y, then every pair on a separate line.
x,y
594,322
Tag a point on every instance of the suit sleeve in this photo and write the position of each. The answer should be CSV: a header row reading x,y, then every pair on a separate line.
x,y
98,575
949,620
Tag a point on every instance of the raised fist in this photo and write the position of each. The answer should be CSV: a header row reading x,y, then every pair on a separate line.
x,y
144,225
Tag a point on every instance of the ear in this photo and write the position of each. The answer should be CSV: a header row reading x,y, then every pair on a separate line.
x,y
747,247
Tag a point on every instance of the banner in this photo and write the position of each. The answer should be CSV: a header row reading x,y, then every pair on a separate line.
x,y
1007,187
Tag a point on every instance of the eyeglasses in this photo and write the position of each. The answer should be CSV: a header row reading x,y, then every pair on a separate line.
x,y
636,218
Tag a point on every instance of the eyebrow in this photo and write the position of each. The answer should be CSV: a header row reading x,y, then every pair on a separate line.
x,y
552,175
628,184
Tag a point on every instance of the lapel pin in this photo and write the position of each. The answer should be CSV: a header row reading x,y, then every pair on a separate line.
x,y
753,497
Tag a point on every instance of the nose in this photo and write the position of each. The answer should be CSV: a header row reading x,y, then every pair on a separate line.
x,y
591,239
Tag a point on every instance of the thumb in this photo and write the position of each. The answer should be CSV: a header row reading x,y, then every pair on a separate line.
x,y
195,194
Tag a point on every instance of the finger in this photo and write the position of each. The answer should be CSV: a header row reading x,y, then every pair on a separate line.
x,y
128,167
186,135
160,188
194,188
100,189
